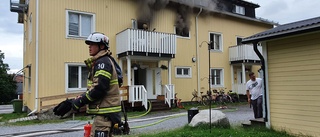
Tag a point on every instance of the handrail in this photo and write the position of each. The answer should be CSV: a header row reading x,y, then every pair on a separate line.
x,y
138,93
169,93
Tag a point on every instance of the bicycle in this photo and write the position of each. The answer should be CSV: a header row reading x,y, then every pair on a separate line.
x,y
222,97
204,100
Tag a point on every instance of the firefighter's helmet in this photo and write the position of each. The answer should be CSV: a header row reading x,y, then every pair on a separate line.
x,y
98,38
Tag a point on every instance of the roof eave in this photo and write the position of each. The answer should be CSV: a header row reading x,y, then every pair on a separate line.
x,y
283,34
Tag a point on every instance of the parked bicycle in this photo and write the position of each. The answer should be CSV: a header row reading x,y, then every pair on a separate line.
x,y
202,99
222,96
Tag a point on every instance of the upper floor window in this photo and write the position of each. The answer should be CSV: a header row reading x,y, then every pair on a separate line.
x,y
217,41
183,72
217,77
239,9
77,75
79,24
30,28
182,32
239,40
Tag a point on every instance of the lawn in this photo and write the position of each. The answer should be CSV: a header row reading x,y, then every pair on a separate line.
x,y
204,131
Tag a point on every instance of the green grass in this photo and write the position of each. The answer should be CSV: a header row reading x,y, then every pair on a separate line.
x,y
204,131
7,117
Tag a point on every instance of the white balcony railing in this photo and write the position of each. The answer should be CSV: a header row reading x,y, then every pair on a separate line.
x,y
134,40
239,88
243,52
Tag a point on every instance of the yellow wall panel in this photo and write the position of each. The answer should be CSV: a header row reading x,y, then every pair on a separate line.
x,y
294,83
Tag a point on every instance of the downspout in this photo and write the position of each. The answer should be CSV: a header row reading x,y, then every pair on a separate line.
x,y
37,61
255,48
197,52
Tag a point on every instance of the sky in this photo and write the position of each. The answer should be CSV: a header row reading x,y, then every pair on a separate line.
x,y
280,11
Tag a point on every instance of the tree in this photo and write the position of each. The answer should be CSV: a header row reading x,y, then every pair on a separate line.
x,y
7,84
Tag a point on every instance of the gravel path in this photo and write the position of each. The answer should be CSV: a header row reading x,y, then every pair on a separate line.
x,y
235,114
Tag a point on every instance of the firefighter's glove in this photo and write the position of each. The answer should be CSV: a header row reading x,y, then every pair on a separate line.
x,y
77,104
63,108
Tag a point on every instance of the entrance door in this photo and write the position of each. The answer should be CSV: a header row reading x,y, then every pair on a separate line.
x,y
153,83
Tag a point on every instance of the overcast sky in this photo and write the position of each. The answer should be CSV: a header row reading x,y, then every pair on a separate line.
x,y
281,11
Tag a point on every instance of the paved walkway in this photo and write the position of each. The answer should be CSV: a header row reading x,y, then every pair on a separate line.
x,y
236,116
5,109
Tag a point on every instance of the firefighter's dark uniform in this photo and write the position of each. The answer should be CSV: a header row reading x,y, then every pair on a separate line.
x,y
102,96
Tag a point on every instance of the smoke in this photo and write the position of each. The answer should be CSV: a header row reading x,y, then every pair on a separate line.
x,y
183,22
148,7
183,8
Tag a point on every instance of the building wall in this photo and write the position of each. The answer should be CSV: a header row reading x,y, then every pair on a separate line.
x,y
29,56
55,50
294,83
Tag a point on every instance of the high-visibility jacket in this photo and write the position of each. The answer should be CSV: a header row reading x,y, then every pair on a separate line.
x,y
101,72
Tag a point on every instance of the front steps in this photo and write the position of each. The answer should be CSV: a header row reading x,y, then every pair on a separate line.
x,y
259,122
156,105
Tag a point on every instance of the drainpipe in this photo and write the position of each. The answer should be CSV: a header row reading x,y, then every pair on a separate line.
x,y
197,52
37,61
255,48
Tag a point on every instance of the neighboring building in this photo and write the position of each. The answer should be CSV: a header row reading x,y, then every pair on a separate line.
x,y
161,47
291,53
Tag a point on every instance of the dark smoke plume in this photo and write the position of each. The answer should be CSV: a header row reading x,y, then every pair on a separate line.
x,y
183,20
148,7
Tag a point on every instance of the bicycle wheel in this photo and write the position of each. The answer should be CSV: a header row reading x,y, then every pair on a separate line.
x,y
195,100
219,100
229,99
205,101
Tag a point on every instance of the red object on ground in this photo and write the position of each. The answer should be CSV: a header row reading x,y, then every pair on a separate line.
x,y
87,129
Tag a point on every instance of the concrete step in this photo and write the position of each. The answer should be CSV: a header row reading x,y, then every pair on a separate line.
x,y
254,123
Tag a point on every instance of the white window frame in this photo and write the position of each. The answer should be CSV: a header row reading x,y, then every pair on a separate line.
x,y
30,28
220,41
178,36
79,89
239,9
214,85
93,18
183,76
29,79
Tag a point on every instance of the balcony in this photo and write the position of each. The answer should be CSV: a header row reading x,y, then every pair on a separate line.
x,y
17,6
136,42
243,54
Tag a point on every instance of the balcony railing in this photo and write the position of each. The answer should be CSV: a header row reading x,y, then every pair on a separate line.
x,y
132,41
16,6
239,89
243,52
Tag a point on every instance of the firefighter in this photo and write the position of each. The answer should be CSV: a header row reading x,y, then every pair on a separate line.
x,y
102,95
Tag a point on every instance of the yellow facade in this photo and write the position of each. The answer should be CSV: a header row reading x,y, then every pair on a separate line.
x,y
55,50
294,83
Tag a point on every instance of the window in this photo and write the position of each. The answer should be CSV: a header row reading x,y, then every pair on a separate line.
x,y
182,32
239,9
216,39
29,79
79,24
30,28
217,77
239,40
183,72
76,77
